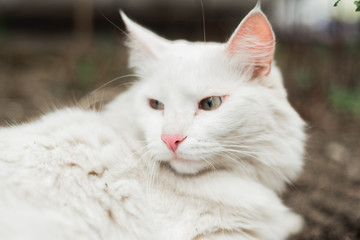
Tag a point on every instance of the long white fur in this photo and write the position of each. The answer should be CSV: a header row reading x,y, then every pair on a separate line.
x,y
76,174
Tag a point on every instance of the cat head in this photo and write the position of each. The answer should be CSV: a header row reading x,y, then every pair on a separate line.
x,y
208,106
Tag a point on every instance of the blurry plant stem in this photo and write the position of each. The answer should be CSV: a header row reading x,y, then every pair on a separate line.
x,y
336,3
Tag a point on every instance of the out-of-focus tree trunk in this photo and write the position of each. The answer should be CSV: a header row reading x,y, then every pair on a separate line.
x,y
82,36
83,24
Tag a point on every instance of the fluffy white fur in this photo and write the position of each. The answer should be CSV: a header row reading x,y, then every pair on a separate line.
x,y
76,174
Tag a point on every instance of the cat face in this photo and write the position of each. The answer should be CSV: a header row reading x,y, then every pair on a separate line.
x,y
183,106
203,106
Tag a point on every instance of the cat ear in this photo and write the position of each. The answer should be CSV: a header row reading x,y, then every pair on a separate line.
x,y
252,44
144,44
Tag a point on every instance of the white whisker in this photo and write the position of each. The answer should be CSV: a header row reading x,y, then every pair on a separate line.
x,y
113,80
151,175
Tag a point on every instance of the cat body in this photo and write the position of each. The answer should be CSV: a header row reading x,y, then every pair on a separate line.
x,y
76,188
157,162
59,165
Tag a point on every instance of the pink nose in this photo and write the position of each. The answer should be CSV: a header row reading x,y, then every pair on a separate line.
x,y
172,141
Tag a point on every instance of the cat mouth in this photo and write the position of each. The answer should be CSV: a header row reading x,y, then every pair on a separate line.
x,y
179,159
183,166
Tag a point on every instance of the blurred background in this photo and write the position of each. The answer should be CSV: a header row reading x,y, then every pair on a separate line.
x,y
57,53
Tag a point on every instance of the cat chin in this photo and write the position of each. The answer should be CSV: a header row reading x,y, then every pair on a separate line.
x,y
188,167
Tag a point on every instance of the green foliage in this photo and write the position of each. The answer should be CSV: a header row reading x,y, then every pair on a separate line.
x,y
345,100
357,4
336,3
85,73
302,77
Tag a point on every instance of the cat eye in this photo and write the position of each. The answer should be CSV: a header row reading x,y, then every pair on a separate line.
x,y
155,104
210,103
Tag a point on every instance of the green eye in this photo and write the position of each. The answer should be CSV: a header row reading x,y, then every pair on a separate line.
x,y
155,104
210,103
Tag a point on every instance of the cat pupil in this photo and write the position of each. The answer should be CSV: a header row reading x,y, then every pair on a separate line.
x,y
155,104
210,103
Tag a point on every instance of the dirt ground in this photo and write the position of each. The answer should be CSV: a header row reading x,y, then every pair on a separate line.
x,y
40,74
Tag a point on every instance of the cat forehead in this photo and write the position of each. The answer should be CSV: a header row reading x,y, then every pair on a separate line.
x,y
187,85
195,51
188,64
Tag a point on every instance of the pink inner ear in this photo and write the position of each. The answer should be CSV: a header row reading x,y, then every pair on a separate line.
x,y
254,41
255,30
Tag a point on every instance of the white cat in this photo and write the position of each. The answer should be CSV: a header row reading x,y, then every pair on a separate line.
x,y
198,148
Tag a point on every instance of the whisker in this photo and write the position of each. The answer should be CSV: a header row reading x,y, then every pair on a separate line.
x,y
242,164
257,157
113,80
208,162
116,26
132,163
240,135
203,18
151,176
